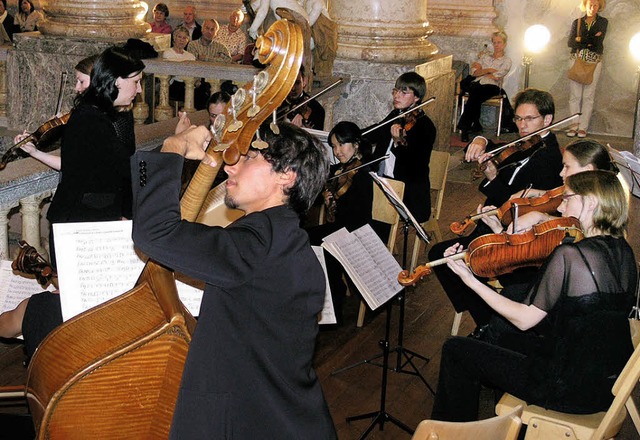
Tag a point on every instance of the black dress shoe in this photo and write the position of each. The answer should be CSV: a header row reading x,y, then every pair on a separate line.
x,y
480,332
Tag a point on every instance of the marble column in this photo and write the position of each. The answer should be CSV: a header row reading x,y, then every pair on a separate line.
x,y
4,232
114,19
377,41
30,211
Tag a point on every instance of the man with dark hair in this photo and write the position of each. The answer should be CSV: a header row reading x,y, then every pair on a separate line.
x,y
249,369
538,166
311,114
408,142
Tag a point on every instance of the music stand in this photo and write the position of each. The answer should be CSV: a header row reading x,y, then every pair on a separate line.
x,y
629,166
401,352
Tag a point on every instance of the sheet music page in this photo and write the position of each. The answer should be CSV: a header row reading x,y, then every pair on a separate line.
x,y
15,287
369,266
96,262
629,166
397,202
328,314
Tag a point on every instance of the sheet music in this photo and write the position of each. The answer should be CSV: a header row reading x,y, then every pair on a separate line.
x,y
629,166
97,261
328,314
397,202
324,138
368,262
15,287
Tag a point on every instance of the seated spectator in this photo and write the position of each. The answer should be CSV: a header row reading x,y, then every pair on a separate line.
x,y
484,83
8,26
177,52
234,38
206,48
194,28
27,18
159,24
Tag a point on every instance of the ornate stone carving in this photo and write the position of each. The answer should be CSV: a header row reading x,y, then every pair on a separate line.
x,y
460,18
114,19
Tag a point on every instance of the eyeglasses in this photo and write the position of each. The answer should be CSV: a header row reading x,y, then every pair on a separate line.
x,y
526,119
566,197
404,92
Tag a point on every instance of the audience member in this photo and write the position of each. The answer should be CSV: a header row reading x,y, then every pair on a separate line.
x,y
8,23
206,48
177,52
233,37
159,24
485,82
194,28
28,17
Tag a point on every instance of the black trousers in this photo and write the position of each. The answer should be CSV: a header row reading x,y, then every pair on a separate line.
x,y
479,93
467,364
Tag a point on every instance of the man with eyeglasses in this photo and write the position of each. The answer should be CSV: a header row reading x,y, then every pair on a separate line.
x,y
408,141
537,167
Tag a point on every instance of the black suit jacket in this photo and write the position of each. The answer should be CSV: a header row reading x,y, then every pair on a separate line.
x,y
412,161
541,170
249,369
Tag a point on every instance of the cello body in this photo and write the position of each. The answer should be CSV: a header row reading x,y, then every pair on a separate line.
x,y
114,371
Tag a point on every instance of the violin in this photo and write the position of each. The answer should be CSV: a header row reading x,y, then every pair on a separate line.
x,y
407,122
30,262
546,203
380,124
340,185
519,145
41,136
496,254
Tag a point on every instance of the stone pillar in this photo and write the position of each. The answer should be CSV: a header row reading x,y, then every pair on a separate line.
x,y
383,31
4,232
114,19
377,41
30,211
189,87
163,110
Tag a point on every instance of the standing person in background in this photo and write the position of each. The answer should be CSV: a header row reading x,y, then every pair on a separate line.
x,y
586,41
83,79
233,37
409,141
95,180
159,24
485,82
194,28
27,18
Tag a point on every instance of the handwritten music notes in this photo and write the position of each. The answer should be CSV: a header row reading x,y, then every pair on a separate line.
x,y
15,287
368,262
97,261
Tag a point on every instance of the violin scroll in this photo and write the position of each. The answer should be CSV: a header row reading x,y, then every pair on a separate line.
x,y
410,279
30,262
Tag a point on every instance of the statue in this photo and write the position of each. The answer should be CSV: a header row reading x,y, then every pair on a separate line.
x,y
324,33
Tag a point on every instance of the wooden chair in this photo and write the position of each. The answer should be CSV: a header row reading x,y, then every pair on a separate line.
x,y
547,424
383,211
505,427
439,167
495,101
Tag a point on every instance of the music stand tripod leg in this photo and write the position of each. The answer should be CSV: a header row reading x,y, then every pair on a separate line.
x,y
381,416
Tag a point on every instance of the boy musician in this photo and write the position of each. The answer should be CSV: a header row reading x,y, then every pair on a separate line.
x,y
310,115
538,166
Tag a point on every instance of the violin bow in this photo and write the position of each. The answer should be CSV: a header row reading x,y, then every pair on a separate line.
x,y
497,151
376,126
63,81
386,156
321,92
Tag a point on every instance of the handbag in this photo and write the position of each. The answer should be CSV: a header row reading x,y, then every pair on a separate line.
x,y
582,72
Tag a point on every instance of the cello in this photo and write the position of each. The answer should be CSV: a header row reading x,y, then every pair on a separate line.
x,y
122,365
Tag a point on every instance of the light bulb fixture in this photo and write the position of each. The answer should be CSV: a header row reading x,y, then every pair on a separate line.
x,y
536,38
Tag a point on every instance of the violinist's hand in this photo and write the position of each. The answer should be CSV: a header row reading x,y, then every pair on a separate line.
x,y
490,170
528,221
475,149
327,196
459,267
29,147
183,123
297,120
490,220
190,144
396,133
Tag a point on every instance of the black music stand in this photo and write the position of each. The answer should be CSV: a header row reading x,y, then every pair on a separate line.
x,y
404,356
